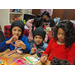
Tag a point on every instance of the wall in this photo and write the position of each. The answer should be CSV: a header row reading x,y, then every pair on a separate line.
x,y
51,11
26,11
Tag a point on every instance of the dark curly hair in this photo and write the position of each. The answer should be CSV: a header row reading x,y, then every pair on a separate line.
x,y
68,27
38,21
57,61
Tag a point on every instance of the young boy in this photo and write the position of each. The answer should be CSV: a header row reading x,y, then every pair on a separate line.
x,y
16,40
38,37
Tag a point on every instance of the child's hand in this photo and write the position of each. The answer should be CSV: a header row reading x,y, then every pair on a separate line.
x,y
43,58
41,51
19,43
12,39
33,50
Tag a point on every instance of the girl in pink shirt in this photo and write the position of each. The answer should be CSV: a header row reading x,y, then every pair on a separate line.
x,y
32,24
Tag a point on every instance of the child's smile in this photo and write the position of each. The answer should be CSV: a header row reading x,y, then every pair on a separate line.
x,y
16,31
61,35
38,39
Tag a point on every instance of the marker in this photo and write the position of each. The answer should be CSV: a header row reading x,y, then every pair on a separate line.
x,y
36,48
28,60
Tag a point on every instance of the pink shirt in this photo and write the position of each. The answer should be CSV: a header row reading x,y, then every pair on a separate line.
x,y
29,25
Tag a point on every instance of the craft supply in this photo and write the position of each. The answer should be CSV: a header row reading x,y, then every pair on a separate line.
x,y
19,61
37,57
7,52
33,59
29,60
36,48
19,51
3,61
11,54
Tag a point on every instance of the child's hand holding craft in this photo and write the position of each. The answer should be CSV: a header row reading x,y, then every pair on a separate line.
x,y
43,58
19,43
12,39
33,50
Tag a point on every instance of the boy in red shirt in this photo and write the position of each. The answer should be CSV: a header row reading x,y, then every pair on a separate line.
x,y
62,46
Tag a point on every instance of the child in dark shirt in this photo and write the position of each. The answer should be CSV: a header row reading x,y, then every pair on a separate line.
x,y
38,35
47,20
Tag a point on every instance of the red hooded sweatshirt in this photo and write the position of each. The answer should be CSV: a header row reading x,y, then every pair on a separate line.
x,y
60,52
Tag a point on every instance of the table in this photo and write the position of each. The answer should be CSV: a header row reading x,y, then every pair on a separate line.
x,y
10,58
7,32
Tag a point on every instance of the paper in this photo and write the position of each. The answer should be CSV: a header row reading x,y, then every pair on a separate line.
x,y
33,59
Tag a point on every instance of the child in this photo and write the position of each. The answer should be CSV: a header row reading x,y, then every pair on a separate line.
x,y
17,40
38,35
62,46
47,20
32,24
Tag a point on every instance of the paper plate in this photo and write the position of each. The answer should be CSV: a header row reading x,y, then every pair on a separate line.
x,y
48,28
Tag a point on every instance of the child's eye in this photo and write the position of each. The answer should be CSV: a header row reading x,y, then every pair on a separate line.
x,y
40,38
58,33
19,30
36,37
14,29
63,34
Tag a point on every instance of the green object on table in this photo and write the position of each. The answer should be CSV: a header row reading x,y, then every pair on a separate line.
x,y
28,60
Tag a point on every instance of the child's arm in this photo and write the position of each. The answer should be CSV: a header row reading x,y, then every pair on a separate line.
x,y
46,53
29,23
48,49
25,41
71,54
32,47
5,44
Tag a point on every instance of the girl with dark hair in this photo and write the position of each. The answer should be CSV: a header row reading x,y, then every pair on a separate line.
x,y
62,46
32,24
48,20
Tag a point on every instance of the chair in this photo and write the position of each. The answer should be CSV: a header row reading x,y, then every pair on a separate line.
x,y
2,37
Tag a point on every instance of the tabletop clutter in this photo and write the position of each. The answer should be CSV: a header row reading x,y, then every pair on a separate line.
x,y
28,60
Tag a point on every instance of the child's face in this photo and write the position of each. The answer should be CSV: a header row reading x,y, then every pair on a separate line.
x,y
38,39
16,31
61,35
44,16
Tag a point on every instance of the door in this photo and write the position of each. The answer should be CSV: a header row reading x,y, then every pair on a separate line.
x,y
36,11
64,14
58,13
69,14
